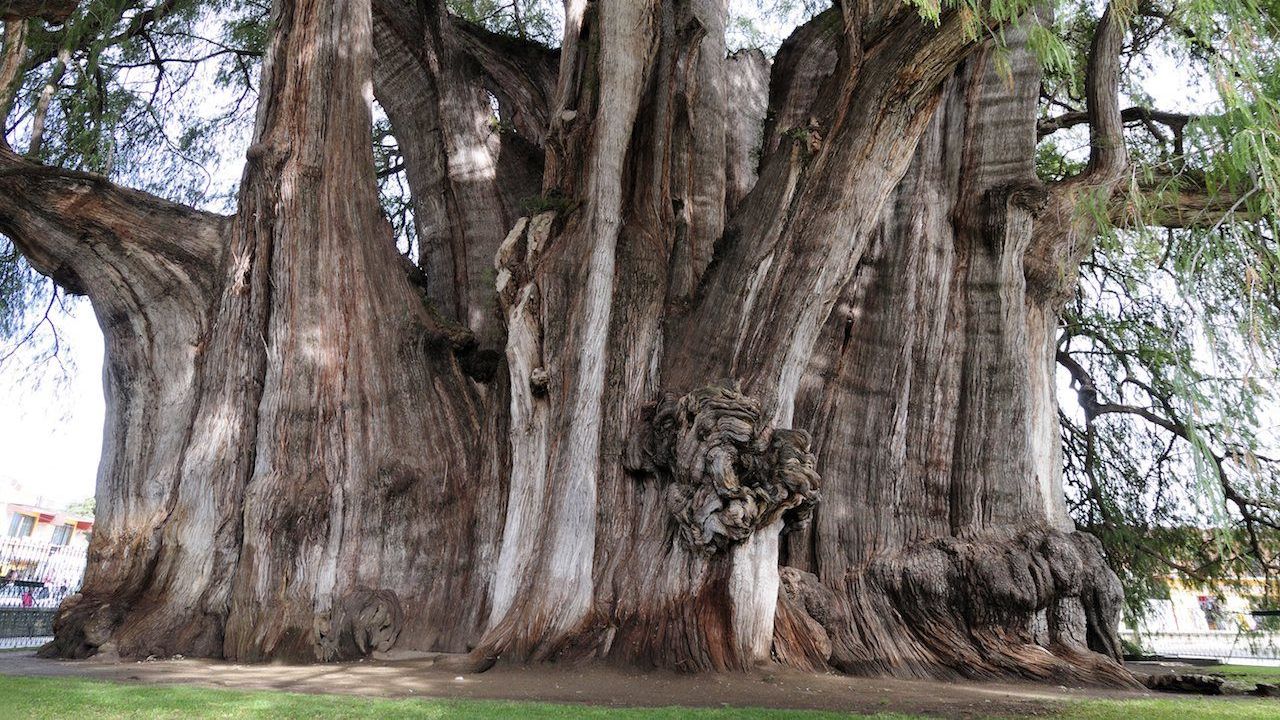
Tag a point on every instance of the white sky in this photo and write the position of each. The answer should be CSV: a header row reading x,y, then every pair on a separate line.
x,y
51,431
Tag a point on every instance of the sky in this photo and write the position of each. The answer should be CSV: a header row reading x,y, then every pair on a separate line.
x,y
51,426
51,417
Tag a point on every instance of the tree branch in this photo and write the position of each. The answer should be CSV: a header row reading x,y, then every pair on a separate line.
x,y
521,72
1172,120
48,10
1108,158
15,47
1184,202
96,238
1063,234
1251,509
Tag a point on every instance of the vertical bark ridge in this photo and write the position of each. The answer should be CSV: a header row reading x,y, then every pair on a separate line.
x,y
999,198
361,408
937,585
544,580
874,109
881,389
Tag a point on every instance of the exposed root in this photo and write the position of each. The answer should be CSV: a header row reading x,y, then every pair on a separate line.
x,y
729,472
80,628
365,621
806,608
1041,605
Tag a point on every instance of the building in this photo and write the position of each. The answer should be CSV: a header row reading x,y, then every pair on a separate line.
x,y
46,526
43,551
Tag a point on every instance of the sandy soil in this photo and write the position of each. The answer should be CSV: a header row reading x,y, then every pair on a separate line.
x,y
439,676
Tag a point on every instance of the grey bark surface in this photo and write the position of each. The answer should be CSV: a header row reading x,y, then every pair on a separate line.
x,y
763,371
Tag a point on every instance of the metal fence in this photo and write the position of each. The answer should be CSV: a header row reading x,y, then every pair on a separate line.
x,y
34,579
1222,645
34,574
26,627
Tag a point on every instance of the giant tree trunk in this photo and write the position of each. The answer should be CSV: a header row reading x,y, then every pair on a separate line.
x,y
583,433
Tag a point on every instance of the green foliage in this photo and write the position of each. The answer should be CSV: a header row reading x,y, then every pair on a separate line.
x,y
1054,54
538,20
1178,708
83,508
148,95
764,24
20,289
1178,330
73,699
29,305
1246,673
552,202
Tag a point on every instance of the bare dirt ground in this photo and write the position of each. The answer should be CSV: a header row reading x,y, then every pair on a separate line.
x,y
439,677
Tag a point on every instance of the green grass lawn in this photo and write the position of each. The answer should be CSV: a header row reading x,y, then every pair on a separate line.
x,y
1174,708
25,697
1244,673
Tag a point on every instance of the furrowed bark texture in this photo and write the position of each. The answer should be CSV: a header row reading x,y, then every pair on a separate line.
x,y
670,304
931,396
317,397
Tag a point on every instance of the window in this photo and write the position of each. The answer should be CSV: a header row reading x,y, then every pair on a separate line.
x,y
62,535
21,525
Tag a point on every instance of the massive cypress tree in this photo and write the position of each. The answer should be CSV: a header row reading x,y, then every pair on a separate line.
x,y
703,359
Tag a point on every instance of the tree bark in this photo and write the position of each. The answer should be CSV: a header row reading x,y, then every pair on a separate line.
x,y
931,395
741,296
319,396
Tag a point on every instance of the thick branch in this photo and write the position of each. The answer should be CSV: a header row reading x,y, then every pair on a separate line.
x,y
1064,234
805,59
1172,120
69,224
1189,205
15,46
466,175
1107,156
50,10
521,72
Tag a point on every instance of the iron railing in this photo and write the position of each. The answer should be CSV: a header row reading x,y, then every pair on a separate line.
x,y
25,627
47,572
